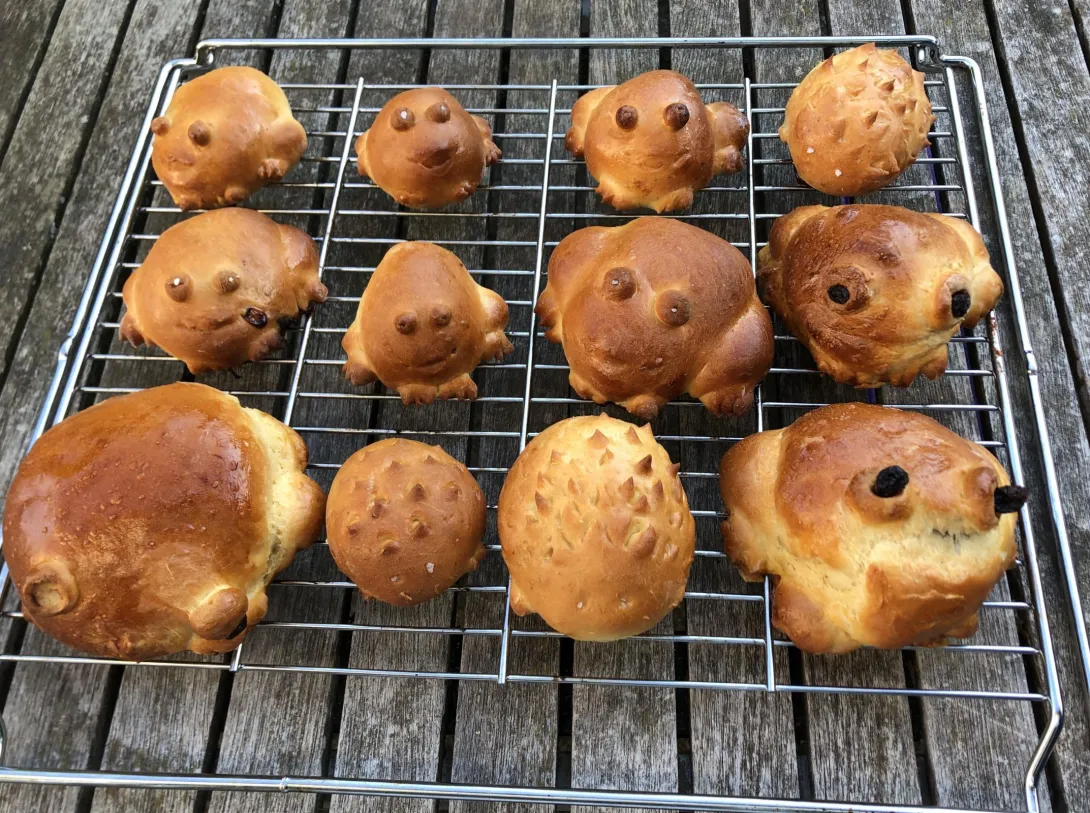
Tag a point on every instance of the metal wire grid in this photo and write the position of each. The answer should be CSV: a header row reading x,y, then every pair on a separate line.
x,y
504,234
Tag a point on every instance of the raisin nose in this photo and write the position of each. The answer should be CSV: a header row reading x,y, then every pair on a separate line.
x,y
1010,499
891,481
256,317
960,303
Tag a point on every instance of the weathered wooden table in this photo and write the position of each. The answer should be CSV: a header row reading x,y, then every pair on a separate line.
x,y
75,80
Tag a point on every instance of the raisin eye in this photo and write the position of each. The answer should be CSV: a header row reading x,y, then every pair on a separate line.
x,y
405,323
403,119
677,115
439,112
839,294
627,117
960,303
890,482
441,316
178,288
673,308
620,283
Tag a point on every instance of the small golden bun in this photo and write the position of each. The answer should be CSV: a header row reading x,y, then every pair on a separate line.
x,y
153,522
595,529
881,527
857,121
405,521
225,135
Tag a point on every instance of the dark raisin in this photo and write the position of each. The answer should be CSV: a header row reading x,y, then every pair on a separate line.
x,y
960,303
891,481
1010,499
839,294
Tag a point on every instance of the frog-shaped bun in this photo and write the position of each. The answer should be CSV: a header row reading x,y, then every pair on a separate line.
x,y
651,142
425,150
882,527
652,309
424,325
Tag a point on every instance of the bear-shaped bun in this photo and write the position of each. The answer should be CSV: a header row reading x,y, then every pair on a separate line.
x,y
655,308
405,521
424,150
225,135
651,142
882,527
218,290
423,326
876,292
595,529
152,523
857,121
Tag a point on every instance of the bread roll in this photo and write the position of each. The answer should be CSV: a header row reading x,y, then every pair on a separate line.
x,y
218,290
857,121
595,529
652,309
424,325
881,527
152,523
876,292
224,136
651,142
405,521
424,150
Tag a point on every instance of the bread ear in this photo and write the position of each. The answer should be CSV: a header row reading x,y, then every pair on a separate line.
x,y
581,113
730,129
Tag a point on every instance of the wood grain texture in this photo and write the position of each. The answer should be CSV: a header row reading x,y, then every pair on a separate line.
x,y
25,30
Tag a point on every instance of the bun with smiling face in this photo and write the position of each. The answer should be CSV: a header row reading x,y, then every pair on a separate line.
x,y
424,325
876,292
881,527
218,289
425,150
651,142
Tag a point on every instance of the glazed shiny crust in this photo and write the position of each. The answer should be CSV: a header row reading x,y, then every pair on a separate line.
x,y
876,292
424,150
218,289
662,146
857,121
423,326
853,568
224,136
152,523
655,308
595,529
405,521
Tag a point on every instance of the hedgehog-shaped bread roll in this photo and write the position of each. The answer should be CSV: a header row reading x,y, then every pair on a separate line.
x,y
405,521
595,529
153,522
424,325
224,136
652,309
218,289
651,142
857,121
424,150
876,292
881,527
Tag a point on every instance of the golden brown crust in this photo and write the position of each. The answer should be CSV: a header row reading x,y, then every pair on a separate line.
x,y
405,521
153,522
224,136
652,309
595,529
425,150
218,289
876,292
853,568
651,142
423,326
857,121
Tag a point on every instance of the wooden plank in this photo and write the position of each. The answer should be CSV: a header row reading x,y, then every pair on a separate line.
x,y
642,718
758,758
25,31
508,734
43,697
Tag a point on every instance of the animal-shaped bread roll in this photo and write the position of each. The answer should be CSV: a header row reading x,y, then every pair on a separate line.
x,y
651,142
218,290
857,121
152,523
224,136
876,292
595,529
882,527
424,150
652,309
424,325
405,521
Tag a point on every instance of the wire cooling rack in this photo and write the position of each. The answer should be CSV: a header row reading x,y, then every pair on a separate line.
x,y
721,637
